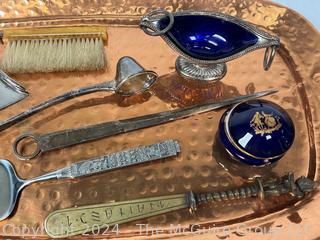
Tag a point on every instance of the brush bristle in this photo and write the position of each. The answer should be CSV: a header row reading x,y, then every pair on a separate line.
x,y
54,55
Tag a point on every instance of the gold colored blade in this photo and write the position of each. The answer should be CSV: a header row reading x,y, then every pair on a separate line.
x,y
79,220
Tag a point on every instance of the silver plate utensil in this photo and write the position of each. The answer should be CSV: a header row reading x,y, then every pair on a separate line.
x,y
12,185
65,138
131,78
73,221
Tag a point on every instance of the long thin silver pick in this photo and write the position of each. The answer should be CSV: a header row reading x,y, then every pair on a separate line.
x,y
65,138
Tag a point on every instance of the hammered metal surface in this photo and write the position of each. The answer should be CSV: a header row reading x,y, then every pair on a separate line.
x,y
202,163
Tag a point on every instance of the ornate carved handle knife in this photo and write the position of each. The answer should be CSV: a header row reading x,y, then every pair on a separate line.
x,y
79,220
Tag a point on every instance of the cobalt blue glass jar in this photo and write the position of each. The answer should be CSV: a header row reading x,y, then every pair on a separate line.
x,y
256,132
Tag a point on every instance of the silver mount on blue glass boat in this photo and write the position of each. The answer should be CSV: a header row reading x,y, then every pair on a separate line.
x,y
207,70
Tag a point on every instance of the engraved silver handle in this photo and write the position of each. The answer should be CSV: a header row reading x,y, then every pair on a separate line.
x,y
122,159
164,149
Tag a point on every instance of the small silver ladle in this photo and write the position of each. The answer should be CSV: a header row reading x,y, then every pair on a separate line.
x,y
131,78
12,185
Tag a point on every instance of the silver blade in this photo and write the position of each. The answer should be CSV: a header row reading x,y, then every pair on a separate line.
x,y
71,137
10,91
168,116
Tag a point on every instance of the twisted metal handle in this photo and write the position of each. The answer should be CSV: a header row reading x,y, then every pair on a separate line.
x,y
245,192
262,189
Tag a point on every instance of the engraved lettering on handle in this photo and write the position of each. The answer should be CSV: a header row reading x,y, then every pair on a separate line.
x,y
13,185
78,220
74,221
126,158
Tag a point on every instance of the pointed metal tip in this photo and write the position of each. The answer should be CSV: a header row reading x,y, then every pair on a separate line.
x,y
267,92
254,95
260,94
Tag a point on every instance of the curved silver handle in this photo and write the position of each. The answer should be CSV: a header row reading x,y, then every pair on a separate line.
x,y
147,22
109,86
269,56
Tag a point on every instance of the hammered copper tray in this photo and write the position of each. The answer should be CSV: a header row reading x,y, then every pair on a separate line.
x,y
295,72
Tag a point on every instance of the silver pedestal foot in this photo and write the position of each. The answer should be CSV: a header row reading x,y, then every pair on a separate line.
x,y
202,72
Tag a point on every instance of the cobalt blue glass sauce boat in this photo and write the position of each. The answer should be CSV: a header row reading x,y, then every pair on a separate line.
x,y
205,41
